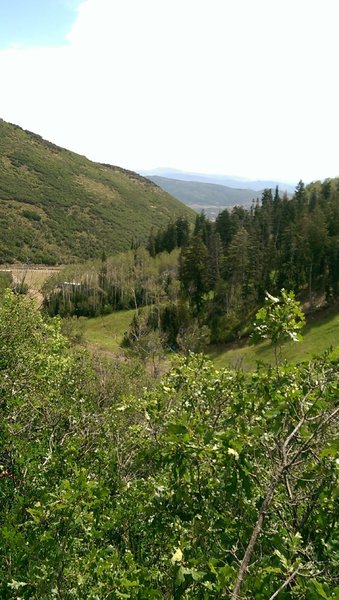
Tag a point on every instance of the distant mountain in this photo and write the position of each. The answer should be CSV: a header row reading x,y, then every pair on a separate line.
x,y
58,207
209,197
229,181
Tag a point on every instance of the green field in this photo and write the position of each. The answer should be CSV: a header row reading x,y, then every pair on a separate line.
x,y
105,334
321,333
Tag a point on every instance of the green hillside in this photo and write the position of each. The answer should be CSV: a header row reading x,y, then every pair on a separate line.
x,y
57,206
320,334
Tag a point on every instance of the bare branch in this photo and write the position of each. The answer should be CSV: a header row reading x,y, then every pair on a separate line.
x,y
255,533
306,444
284,466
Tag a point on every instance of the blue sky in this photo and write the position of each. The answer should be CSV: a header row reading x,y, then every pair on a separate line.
x,y
237,87
36,22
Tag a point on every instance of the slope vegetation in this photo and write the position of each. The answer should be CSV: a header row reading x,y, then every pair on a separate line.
x,y
57,206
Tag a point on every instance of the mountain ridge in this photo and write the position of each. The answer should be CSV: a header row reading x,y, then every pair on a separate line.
x,y
208,197
210,193
226,180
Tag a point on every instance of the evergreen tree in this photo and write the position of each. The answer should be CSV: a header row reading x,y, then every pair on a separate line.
x,y
225,227
182,230
215,259
203,228
151,243
300,196
193,271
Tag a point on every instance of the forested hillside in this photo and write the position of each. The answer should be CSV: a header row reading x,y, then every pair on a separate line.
x,y
218,275
280,243
59,207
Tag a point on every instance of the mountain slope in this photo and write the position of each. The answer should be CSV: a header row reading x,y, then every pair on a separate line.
x,y
210,197
57,206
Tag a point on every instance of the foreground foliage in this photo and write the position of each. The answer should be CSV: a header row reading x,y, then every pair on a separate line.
x,y
213,484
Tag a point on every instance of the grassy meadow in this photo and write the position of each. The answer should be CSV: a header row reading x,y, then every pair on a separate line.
x,y
320,334
105,334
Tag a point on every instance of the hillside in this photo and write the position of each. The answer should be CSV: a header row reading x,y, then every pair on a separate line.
x,y
57,206
320,334
213,193
210,197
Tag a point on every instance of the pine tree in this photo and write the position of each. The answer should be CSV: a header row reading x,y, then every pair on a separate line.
x,y
193,271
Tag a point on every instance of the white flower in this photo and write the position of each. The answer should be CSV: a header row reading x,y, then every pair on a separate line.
x,y
233,452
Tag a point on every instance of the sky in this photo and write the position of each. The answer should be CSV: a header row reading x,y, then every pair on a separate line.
x,y
235,87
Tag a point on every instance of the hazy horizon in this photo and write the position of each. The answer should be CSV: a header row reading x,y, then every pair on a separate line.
x,y
231,86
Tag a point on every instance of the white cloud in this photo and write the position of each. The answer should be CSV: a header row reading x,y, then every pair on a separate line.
x,y
232,86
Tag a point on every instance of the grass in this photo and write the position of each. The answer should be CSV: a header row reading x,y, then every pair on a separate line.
x,y
106,333
321,333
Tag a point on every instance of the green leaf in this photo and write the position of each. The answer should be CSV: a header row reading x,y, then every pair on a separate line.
x,y
180,577
319,589
209,585
177,428
197,575
282,558
270,569
127,583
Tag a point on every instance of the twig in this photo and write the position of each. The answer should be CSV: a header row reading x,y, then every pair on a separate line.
x,y
281,470
315,432
255,533
290,578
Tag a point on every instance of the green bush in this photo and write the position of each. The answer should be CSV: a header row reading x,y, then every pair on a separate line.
x,y
209,485
31,215
6,281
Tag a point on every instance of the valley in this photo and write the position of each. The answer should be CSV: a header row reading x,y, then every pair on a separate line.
x,y
104,335
213,193
169,300
169,386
